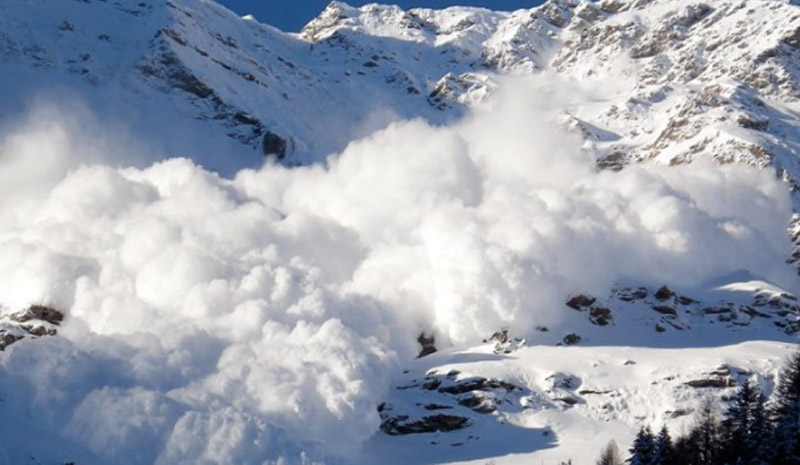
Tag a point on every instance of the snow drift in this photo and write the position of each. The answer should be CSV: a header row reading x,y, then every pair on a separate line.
x,y
257,318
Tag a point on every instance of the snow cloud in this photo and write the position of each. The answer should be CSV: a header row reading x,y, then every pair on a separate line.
x,y
212,319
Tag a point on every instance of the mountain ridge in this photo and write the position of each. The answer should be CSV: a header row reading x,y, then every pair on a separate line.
x,y
567,177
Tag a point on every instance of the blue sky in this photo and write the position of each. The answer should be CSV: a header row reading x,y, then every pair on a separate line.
x,y
291,15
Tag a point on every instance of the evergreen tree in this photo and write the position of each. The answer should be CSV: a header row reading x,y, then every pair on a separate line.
x,y
687,449
610,455
785,415
643,447
709,434
737,426
663,453
760,431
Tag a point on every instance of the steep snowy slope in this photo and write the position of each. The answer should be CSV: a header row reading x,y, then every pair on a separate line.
x,y
196,65
573,184
544,404
677,79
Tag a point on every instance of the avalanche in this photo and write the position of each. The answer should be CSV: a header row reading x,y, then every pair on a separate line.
x,y
266,312
217,310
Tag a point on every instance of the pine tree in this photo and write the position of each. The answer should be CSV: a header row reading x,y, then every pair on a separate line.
x,y
760,431
643,447
785,415
687,449
737,426
610,455
663,453
709,435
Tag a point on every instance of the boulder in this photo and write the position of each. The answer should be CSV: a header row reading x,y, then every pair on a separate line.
x,y
664,293
274,145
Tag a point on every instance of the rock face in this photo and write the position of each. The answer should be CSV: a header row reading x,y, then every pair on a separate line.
x,y
427,344
400,425
462,396
599,314
274,145
724,75
34,321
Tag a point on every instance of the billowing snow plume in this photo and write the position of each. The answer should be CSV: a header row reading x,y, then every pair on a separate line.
x,y
210,319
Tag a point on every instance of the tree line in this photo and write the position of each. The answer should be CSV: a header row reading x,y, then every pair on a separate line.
x,y
748,430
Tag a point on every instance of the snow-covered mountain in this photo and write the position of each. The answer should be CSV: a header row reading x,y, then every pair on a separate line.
x,y
583,207
677,80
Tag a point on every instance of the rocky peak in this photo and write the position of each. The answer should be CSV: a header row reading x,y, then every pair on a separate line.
x,y
331,18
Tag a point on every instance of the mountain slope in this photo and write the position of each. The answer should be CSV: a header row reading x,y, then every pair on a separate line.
x,y
679,81
562,201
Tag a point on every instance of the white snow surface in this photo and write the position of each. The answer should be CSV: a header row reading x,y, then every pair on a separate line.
x,y
262,314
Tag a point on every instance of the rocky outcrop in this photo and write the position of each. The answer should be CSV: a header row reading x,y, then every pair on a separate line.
x,y
462,396
402,425
599,314
32,322
427,344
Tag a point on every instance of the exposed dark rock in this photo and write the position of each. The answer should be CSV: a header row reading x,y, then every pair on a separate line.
x,y
564,381
664,293
717,383
504,343
754,123
665,310
612,6
427,343
748,310
35,321
174,35
499,336
647,49
188,82
678,413
398,426
793,40
571,339
6,339
431,384
244,118
476,384
716,310
478,403
39,330
38,312
586,392
580,301
629,295
614,161
274,145
555,14
600,316
437,407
